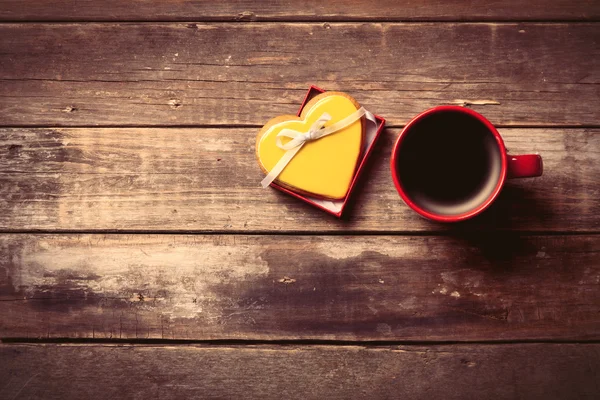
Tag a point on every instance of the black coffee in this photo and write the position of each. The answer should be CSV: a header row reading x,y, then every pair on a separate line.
x,y
449,163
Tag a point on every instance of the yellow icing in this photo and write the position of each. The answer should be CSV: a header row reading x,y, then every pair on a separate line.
x,y
326,166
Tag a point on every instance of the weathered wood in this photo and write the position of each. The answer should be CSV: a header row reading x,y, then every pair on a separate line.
x,y
198,74
208,180
289,10
458,288
527,371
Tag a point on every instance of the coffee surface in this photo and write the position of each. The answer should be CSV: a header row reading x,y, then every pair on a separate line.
x,y
449,163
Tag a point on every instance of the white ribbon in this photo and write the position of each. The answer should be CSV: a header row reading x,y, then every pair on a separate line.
x,y
315,132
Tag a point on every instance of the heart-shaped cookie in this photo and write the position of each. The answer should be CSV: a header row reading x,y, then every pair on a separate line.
x,y
323,167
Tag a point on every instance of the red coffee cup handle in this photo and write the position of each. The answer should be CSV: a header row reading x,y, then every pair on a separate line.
x,y
524,166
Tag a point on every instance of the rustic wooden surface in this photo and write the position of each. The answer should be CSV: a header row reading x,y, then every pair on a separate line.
x,y
527,371
541,74
290,10
140,259
200,287
206,180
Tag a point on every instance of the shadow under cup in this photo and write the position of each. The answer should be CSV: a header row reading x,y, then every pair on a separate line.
x,y
448,163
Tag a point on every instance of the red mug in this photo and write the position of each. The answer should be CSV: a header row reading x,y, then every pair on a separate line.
x,y
449,164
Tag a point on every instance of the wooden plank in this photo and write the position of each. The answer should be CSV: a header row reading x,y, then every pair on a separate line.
x,y
223,74
207,180
470,371
288,10
284,287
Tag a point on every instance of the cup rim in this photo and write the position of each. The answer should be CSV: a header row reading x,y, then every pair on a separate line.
x,y
468,214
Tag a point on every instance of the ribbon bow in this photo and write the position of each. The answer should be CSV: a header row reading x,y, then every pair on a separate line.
x,y
299,138
316,131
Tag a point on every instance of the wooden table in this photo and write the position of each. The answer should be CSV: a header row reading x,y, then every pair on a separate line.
x,y
139,258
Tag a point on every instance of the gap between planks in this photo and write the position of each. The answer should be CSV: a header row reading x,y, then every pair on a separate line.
x,y
449,232
288,343
254,126
328,20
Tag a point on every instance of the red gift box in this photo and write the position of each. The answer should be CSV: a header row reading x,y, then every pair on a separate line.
x,y
336,207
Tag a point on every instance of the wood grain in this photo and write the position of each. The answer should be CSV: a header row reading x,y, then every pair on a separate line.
x,y
528,371
288,10
456,288
244,74
207,180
